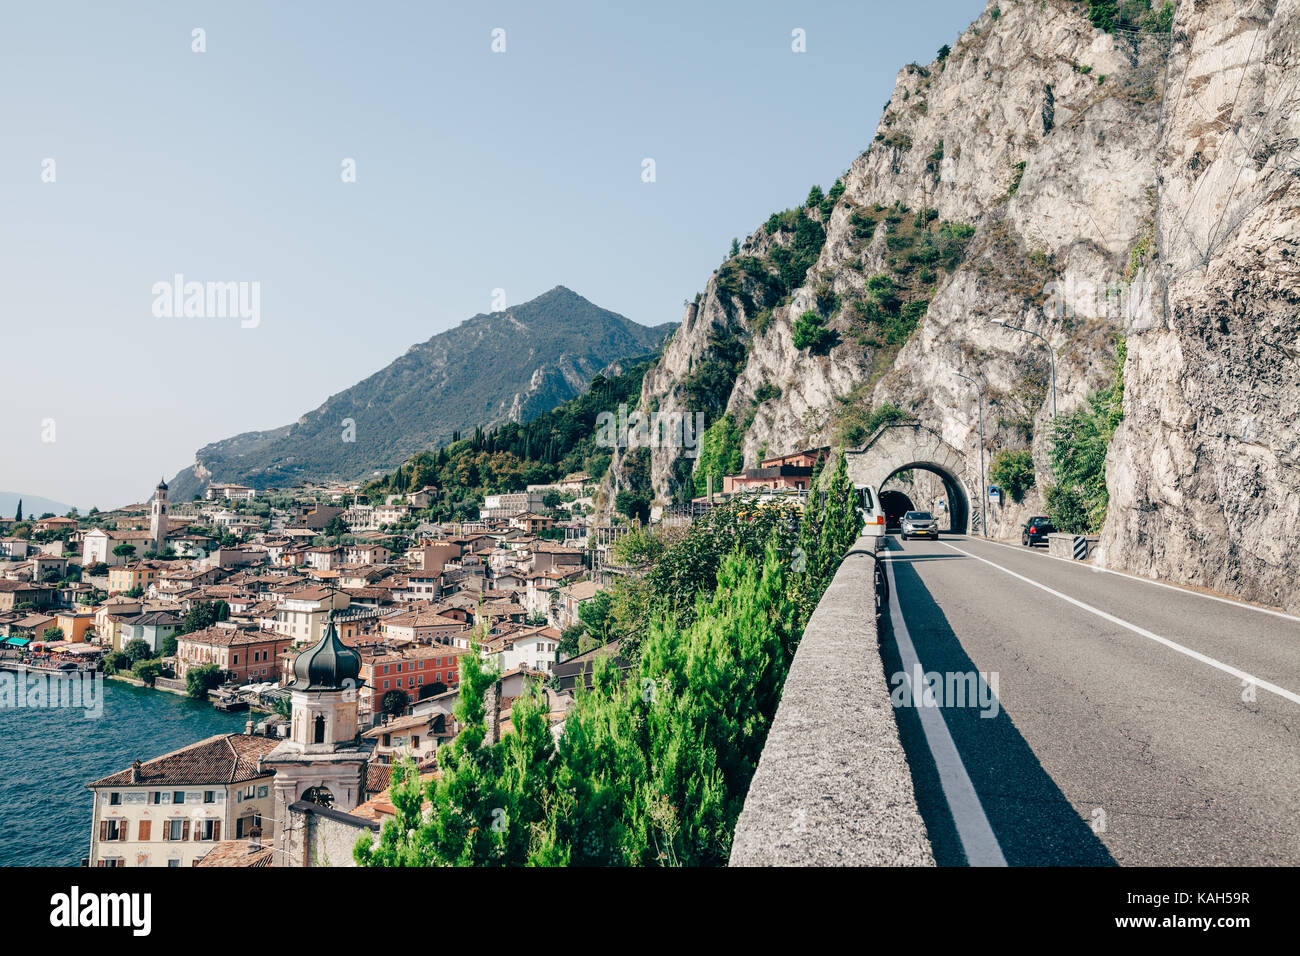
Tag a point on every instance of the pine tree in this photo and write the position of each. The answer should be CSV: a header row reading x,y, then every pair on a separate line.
x,y
18,515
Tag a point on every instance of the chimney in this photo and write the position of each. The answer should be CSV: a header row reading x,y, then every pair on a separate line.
x,y
135,771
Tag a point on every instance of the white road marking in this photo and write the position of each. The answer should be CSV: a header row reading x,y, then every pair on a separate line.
x,y
1160,584
1150,635
977,839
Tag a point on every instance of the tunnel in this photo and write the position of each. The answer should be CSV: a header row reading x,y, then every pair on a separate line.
x,y
895,504
951,509
891,462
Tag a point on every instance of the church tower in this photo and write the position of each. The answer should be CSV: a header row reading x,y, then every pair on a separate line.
x,y
158,517
322,762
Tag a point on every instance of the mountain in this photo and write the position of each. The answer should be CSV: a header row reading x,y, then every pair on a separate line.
x,y
33,505
1118,178
492,368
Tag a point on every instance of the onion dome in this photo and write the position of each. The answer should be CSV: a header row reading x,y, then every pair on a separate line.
x,y
329,664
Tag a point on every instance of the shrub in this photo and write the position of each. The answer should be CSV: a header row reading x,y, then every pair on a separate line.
x,y
199,680
810,333
1013,471
1080,441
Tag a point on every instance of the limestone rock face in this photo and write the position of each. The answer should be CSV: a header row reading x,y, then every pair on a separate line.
x,y
1038,131
1204,472
1135,185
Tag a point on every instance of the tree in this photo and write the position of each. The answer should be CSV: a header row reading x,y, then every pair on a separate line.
x,y
199,680
337,527
147,671
1013,471
552,500
18,515
735,248
810,333
395,702
633,504
204,615
137,650
167,646
125,550
52,634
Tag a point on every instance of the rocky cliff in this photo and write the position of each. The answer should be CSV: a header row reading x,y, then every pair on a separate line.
x,y
1034,173
1205,469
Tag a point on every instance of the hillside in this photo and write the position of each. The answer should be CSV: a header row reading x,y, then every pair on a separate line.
x,y
1117,177
500,367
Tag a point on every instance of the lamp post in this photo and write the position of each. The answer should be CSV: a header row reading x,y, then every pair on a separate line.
x,y
1050,352
979,401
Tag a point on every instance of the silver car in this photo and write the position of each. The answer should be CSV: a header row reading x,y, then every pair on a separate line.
x,y
919,524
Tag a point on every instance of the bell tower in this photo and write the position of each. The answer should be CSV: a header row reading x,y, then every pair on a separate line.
x,y
322,761
158,517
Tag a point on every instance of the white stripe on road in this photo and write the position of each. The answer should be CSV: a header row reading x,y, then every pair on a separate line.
x,y
1194,655
973,829
1160,584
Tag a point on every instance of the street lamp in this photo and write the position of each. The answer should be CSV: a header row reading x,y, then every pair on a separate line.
x,y
979,401
1050,351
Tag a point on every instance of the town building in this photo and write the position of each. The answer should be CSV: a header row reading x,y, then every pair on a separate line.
x,y
173,810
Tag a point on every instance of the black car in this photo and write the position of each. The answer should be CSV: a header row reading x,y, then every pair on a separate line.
x,y
1036,529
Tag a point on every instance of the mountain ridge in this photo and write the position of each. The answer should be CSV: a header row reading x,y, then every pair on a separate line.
x,y
491,368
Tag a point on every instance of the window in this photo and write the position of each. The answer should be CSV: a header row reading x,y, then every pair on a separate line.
x,y
178,796
115,799
209,796
173,862
112,830
176,829
209,830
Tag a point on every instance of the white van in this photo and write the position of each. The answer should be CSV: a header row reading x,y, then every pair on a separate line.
x,y
873,516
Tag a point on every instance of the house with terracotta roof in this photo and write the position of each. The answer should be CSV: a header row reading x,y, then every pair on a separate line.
x,y
249,654
175,809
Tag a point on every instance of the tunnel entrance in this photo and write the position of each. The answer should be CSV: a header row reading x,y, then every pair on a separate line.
x,y
895,504
914,461
922,487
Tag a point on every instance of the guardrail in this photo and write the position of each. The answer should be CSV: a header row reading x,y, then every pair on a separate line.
x,y
833,786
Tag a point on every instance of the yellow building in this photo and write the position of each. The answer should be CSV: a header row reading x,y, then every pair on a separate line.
x,y
74,624
128,577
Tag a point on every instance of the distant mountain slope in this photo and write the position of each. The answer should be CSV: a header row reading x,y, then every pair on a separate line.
x,y
33,505
493,368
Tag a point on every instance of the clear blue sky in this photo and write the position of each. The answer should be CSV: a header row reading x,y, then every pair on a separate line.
x,y
475,171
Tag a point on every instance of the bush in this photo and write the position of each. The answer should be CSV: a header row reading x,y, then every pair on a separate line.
x,y
1013,471
199,680
652,770
720,453
147,671
633,504
810,333
1068,510
1080,441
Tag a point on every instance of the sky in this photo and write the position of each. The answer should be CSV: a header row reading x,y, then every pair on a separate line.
x,y
128,157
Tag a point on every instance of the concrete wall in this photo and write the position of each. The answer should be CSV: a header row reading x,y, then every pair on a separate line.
x,y
833,786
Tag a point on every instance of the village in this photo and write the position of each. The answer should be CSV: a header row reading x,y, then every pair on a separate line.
x,y
225,597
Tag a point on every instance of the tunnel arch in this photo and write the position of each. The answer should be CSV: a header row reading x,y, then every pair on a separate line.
x,y
910,445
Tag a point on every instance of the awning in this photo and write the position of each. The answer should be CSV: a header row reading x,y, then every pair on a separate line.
x,y
18,641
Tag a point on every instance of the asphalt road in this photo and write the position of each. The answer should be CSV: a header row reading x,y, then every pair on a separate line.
x,y
1134,724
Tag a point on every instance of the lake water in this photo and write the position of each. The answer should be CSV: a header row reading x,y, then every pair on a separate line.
x,y
47,756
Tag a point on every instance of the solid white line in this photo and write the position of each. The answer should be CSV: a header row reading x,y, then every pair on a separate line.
x,y
1150,635
977,839
1135,577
